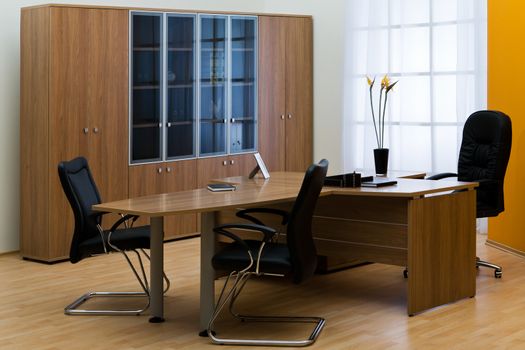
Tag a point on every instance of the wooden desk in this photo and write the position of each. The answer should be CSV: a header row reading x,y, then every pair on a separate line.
x,y
419,224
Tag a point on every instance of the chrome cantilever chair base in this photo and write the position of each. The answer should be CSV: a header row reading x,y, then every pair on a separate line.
x,y
231,297
72,309
498,270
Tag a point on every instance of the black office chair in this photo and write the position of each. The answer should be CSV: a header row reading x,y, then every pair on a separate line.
x,y
296,259
90,239
483,157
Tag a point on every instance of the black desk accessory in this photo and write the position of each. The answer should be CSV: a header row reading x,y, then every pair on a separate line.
x,y
221,187
376,181
346,180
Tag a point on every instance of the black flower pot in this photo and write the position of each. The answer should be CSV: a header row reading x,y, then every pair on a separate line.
x,y
381,160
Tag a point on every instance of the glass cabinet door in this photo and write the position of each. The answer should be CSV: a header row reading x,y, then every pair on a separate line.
x,y
146,87
213,84
243,84
180,87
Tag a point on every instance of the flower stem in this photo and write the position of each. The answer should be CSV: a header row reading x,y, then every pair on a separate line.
x,y
383,125
379,143
373,116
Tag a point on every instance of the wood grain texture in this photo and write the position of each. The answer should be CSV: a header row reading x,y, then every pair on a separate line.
x,y
107,100
85,87
147,180
272,91
211,168
157,9
364,307
299,94
34,150
362,252
441,250
68,105
181,177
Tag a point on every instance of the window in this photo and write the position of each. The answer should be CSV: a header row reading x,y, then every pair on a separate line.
x,y
437,51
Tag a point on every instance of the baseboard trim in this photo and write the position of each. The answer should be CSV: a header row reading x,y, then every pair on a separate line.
x,y
9,252
505,248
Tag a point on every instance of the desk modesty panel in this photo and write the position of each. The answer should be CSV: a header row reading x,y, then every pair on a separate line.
x,y
428,226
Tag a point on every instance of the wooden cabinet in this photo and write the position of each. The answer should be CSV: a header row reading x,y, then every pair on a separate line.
x,y
219,167
158,178
286,92
73,102
76,99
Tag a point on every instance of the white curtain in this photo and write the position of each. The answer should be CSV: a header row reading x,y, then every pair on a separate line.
x,y
437,51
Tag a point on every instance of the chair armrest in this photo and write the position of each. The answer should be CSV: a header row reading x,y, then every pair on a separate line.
x,y
244,214
268,232
122,220
441,176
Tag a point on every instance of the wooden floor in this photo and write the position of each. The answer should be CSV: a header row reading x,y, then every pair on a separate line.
x,y
364,307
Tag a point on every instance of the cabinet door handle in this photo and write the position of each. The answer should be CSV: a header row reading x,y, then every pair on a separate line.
x,y
159,170
282,116
85,130
95,130
160,125
224,162
168,169
232,120
168,124
289,115
232,162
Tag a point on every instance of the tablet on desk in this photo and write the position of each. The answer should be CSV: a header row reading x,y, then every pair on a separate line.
x,y
378,182
221,187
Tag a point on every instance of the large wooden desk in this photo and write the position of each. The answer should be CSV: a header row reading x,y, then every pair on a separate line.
x,y
428,226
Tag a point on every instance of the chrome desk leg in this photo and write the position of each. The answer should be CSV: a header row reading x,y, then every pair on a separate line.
x,y
157,269
208,246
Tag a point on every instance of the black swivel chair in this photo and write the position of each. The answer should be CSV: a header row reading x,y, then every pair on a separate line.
x,y
90,239
296,259
483,157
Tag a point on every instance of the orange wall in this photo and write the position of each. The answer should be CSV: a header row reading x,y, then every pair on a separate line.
x,y
506,92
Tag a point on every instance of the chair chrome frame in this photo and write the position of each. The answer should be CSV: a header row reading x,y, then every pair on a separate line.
x,y
498,270
241,278
72,309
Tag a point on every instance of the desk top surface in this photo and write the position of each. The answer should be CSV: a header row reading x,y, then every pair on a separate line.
x,y
281,187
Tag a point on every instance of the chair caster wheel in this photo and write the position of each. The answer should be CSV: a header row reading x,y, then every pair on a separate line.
x,y
497,274
405,273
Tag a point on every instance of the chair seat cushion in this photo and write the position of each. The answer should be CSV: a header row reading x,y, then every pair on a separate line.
x,y
124,239
234,257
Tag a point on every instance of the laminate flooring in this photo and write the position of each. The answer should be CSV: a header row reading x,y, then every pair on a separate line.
x,y
365,307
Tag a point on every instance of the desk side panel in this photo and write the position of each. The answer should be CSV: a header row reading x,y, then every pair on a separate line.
x,y
441,250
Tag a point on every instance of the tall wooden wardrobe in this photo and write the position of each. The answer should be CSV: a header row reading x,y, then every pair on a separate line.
x,y
75,99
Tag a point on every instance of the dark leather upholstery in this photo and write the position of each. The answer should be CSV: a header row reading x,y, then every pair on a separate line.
x,y
275,258
82,193
298,257
483,157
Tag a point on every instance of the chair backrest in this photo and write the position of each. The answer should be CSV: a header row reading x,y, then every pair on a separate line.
x,y
82,193
299,232
484,155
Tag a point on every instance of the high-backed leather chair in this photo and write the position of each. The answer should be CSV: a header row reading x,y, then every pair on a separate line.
x,y
297,259
90,239
483,157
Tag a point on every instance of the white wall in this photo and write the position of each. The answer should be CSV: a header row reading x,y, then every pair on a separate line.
x,y
328,63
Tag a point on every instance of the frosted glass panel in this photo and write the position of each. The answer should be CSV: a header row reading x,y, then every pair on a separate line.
x,y
445,10
445,48
410,100
445,98
410,50
446,157
415,147
375,61
410,11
